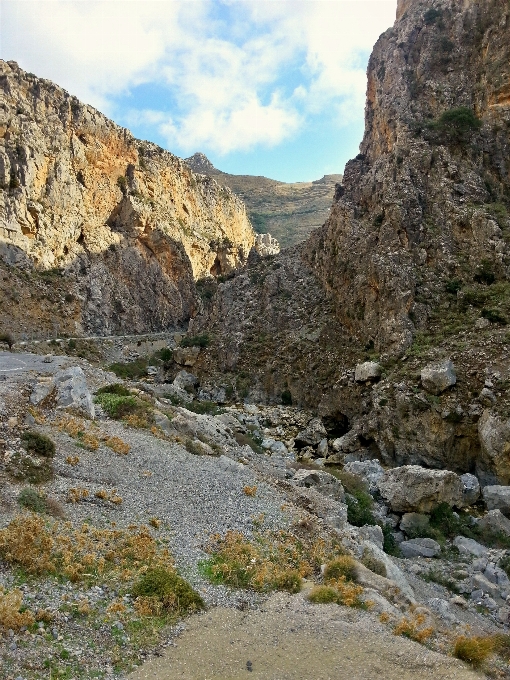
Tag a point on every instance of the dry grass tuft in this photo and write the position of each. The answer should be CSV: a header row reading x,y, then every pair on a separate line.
x,y
111,496
474,650
72,460
269,561
414,628
155,522
118,445
56,547
10,614
77,494
250,490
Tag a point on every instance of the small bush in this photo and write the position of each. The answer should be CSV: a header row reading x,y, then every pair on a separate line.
x,y
116,388
473,650
485,273
119,407
122,184
38,444
323,595
494,316
32,469
343,566
131,370
359,509
390,545
453,286
7,338
167,587
414,628
372,563
196,341
431,16
286,398
11,614
32,500
504,563
454,126
204,408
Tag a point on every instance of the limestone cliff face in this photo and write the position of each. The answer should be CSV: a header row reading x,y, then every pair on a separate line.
x,y
127,219
425,201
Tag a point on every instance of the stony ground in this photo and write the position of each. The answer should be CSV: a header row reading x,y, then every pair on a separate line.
x,y
91,628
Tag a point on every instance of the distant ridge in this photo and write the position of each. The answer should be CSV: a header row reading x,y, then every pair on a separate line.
x,y
288,211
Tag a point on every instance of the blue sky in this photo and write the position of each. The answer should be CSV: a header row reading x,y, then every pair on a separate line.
x,y
270,87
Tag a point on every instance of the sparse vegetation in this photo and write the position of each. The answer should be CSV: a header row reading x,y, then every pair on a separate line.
x,y
415,628
131,370
473,650
196,341
163,589
7,339
30,499
372,563
38,444
116,388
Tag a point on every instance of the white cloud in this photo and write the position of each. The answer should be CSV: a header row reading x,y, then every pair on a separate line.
x,y
233,73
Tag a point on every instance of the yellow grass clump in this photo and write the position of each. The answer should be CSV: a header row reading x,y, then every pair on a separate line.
x,y
250,490
55,547
415,628
474,650
10,614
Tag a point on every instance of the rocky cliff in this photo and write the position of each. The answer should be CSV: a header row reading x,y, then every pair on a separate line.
x,y
128,223
412,264
289,211
424,204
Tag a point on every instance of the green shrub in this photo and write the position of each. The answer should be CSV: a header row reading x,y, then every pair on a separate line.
x,y
38,444
343,566
453,286
431,16
323,595
25,468
32,500
71,344
485,273
474,297
504,563
494,316
116,388
118,406
359,509
204,408
390,545
130,370
166,355
248,440
122,184
196,341
453,126
286,398
174,593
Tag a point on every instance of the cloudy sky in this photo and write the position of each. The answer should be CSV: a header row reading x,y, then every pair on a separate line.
x,y
272,87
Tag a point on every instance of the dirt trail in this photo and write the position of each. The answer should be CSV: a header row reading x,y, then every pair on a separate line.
x,y
289,639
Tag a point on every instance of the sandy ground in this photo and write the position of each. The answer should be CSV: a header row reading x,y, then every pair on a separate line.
x,y
290,639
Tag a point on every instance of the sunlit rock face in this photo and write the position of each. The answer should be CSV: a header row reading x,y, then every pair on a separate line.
x,y
419,204
128,219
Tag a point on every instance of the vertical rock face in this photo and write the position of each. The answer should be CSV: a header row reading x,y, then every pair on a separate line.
x,y
129,220
425,200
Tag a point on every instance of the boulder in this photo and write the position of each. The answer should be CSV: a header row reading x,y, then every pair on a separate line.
x,y
438,377
347,443
392,571
494,521
369,370
370,471
312,434
497,498
41,390
72,391
372,533
322,448
471,489
186,356
467,546
412,488
177,394
414,524
494,436
322,482
185,380
420,547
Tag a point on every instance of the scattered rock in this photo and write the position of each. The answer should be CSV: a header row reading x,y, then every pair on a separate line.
x,y
471,489
370,471
420,547
185,380
312,434
186,356
412,488
369,370
468,546
497,498
323,482
438,377
496,522
72,391
372,533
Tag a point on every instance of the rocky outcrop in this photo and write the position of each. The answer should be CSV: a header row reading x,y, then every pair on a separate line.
x,y
411,488
126,220
424,202
266,245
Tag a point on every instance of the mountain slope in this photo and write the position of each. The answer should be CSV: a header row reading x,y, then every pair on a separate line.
x,y
127,222
289,212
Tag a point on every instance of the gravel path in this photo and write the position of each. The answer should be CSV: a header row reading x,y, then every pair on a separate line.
x,y
290,639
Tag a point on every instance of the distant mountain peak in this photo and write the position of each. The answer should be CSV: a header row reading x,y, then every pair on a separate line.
x,y
200,163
